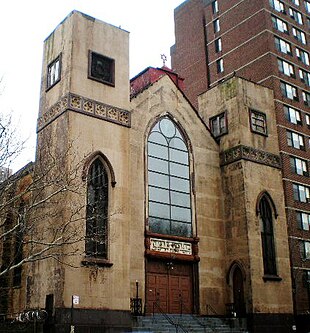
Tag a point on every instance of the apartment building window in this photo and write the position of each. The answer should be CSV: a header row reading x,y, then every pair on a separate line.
x,y
283,46
215,7
301,193
279,24
299,166
218,45
306,97
305,250
299,35
308,120
286,68
258,122
303,220
218,124
307,279
216,25
289,91
220,65
292,115
303,56
295,140
304,76
295,2
294,14
307,6
277,5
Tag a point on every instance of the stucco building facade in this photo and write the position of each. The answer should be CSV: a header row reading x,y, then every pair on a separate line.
x,y
161,207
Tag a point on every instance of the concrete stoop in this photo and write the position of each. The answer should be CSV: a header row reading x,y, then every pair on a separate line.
x,y
186,324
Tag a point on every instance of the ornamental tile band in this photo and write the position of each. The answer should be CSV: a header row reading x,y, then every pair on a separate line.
x,y
250,154
87,106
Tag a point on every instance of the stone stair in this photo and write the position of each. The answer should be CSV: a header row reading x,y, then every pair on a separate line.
x,y
161,323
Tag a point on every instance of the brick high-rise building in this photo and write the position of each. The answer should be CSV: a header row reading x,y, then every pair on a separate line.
x,y
265,41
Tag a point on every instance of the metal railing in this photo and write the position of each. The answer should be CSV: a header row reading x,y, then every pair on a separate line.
x,y
168,318
210,310
195,318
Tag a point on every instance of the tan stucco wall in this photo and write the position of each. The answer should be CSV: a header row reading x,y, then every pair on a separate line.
x,y
73,38
243,182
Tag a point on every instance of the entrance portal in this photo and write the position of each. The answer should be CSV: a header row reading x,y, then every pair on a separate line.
x,y
169,287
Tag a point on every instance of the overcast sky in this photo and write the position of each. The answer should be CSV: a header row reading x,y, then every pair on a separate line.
x,y
24,24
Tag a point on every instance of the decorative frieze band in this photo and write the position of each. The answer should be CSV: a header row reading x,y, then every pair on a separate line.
x,y
250,154
86,106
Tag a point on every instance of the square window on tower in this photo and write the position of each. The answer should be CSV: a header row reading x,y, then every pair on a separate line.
x,y
258,122
218,124
101,68
53,72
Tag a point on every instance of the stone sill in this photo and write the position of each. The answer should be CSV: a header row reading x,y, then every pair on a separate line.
x,y
272,278
92,261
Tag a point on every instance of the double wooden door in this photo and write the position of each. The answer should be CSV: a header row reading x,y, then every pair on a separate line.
x,y
169,287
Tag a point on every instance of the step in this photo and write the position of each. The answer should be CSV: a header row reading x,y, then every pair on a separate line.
x,y
191,324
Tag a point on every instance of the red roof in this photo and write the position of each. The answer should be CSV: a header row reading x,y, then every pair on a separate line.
x,y
149,76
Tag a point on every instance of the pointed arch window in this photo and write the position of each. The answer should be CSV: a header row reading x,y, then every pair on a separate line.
x,y
97,211
18,246
169,199
267,236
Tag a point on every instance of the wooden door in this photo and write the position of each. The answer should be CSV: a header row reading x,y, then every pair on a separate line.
x,y
169,288
238,290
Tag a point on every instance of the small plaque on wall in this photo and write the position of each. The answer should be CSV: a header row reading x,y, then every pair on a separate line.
x,y
164,245
101,68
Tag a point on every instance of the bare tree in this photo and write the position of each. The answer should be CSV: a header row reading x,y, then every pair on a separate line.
x,y
41,209
43,213
10,144
34,224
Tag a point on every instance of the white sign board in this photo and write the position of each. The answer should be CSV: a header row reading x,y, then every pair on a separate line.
x,y
75,299
164,245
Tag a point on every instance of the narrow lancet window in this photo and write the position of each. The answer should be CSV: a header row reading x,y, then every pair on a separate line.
x,y
97,211
267,236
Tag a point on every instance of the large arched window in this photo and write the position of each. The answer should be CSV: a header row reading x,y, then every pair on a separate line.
x,y
97,211
169,199
268,246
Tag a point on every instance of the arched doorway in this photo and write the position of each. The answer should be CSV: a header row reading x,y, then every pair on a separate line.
x,y
238,292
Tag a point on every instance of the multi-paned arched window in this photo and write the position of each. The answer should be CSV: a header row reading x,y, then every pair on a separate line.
x,y
169,198
96,244
267,236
